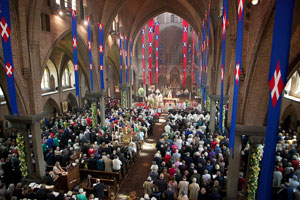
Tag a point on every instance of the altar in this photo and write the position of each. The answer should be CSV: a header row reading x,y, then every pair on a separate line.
x,y
170,101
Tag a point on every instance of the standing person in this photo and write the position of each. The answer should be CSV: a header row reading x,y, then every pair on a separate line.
x,y
183,196
183,186
107,163
241,183
277,177
194,190
81,195
99,189
116,164
168,194
148,186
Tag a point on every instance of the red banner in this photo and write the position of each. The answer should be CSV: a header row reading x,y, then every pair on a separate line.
x,y
185,36
143,52
150,39
193,58
156,49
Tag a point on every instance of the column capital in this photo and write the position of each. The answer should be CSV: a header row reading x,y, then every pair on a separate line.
x,y
124,86
253,131
94,95
25,119
215,97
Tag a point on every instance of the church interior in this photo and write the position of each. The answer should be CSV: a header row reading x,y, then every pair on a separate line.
x,y
150,99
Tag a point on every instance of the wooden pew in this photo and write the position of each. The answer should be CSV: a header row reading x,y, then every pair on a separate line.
x,y
110,192
101,174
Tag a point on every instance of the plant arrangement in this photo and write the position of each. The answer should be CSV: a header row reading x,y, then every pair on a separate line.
x,y
22,154
253,172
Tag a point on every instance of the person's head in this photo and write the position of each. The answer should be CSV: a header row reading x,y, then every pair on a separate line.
x,y
194,180
57,164
241,175
161,176
216,183
97,180
203,190
80,190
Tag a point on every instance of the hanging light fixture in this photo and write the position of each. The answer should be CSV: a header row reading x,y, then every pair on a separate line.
x,y
254,2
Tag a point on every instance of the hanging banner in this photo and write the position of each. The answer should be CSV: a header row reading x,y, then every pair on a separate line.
x,y
131,67
185,27
277,79
238,68
126,60
198,63
193,57
5,29
101,51
121,60
150,39
75,47
90,52
224,27
156,50
143,52
203,47
207,52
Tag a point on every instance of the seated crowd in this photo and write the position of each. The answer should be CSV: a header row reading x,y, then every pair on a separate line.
x,y
190,163
286,176
69,139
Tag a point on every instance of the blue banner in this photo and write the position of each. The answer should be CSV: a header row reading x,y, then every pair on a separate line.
x,y
5,29
224,26
90,52
238,68
75,48
121,59
207,52
101,51
203,60
277,80
131,67
126,60
198,63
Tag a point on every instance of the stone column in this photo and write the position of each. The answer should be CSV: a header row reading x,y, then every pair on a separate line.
x,y
234,169
213,99
212,121
32,123
37,149
125,90
130,96
96,97
102,110
255,133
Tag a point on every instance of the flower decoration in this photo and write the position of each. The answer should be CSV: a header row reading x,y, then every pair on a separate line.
x,y
254,169
22,155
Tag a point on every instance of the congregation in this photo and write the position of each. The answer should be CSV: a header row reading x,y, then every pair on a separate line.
x,y
190,161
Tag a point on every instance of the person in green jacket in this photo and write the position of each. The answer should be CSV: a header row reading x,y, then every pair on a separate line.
x,y
81,195
55,142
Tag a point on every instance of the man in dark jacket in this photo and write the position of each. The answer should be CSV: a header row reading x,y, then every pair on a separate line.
x,y
99,189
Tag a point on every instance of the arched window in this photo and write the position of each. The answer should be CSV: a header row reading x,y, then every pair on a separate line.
x,y
45,84
66,78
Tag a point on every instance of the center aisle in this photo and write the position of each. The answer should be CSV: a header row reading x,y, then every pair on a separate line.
x,y
132,187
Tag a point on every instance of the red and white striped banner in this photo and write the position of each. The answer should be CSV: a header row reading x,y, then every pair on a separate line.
x,y
156,49
185,36
193,58
143,52
150,40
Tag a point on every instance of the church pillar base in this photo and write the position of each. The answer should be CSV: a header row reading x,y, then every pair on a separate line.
x,y
31,124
